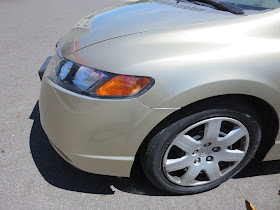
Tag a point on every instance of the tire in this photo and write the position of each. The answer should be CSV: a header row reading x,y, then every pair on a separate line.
x,y
202,149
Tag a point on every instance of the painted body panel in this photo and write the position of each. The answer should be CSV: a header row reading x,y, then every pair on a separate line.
x,y
137,18
191,63
191,54
92,134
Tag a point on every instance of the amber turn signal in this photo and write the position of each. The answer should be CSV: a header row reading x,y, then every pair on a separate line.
x,y
122,85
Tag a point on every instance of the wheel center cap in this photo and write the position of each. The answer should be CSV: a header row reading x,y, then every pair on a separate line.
x,y
204,152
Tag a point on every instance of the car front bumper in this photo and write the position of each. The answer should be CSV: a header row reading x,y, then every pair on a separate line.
x,y
94,135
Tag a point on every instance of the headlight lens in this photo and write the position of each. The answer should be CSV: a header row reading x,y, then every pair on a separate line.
x,y
86,78
99,84
65,70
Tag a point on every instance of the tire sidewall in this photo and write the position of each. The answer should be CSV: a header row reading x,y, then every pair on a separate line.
x,y
163,139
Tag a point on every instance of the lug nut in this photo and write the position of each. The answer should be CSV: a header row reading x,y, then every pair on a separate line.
x,y
197,160
207,144
195,152
216,149
209,158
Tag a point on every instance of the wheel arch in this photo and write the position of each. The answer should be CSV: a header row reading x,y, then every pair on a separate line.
x,y
268,117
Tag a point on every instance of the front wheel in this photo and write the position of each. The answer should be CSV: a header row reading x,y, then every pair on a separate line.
x,y
202,150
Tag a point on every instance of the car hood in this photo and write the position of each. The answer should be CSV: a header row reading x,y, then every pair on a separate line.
x,y
138,17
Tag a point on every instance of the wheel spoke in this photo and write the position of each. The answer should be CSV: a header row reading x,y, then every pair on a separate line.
x,y
231,155
213,171
206,150
232,137
186,143
176,164
189,177
212,130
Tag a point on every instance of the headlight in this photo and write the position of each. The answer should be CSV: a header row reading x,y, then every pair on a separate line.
x,y
99,84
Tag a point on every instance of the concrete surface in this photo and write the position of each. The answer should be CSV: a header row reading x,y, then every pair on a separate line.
x,y
33,176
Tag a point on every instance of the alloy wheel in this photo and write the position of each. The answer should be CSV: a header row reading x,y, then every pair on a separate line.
x,y
206,151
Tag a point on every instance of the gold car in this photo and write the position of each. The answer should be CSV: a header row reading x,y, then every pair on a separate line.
x,y
189,88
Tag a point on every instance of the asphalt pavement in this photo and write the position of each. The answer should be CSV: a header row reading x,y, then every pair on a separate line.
x,y
33,176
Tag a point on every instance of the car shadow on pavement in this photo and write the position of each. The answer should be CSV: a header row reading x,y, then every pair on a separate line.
x,y
61,174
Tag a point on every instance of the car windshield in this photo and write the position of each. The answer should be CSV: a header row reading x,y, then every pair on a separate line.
x,y
255,4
